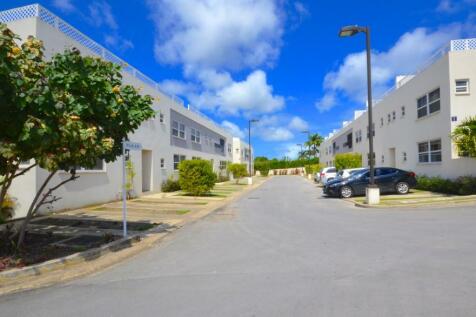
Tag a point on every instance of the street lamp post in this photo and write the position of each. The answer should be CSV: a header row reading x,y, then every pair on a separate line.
x,y
249,144
373,193
309,143
299,144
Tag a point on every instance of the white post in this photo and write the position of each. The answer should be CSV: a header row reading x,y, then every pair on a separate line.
x,y
124,194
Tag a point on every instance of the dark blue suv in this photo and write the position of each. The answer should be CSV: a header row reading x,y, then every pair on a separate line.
x,y
388,179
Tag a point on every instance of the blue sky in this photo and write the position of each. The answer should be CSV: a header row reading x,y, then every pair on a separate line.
x,y
279,61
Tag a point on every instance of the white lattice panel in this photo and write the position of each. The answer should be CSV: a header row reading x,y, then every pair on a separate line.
x,y
465,44
19,13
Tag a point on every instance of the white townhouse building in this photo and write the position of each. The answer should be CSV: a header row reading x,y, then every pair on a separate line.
x,y
175,134
241,152
414,121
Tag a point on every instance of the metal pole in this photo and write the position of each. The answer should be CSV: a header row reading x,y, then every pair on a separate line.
x,y
124,194
249,146
369,95
309,145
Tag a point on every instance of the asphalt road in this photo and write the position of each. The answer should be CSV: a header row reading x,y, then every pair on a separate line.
x,y
283,250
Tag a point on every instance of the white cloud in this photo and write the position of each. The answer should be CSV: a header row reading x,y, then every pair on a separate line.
x,y
452,6
100,13
217,34
218,92
64,5
298,124
411,51
233,129
290,150
251,96
118,42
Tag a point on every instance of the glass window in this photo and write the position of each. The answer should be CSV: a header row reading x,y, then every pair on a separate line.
x,y
429,103
429,151
177,159
175,131
99,166
182,130
421,107
462,86
195,135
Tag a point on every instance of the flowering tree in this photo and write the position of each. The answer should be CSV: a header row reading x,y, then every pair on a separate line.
x,y
69,112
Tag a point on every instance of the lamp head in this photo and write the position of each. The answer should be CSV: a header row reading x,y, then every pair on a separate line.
x,y
350,30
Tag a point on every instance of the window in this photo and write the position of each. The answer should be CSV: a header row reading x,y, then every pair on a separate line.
x,y
222,166
195,136
177,159
196,158
428,104
403,111
394,115
178,129
462,86
175,128
161,118
358,136
429,151
162,163
99,166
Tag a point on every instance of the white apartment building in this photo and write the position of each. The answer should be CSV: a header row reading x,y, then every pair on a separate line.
x,y
242,153
414,121
175,134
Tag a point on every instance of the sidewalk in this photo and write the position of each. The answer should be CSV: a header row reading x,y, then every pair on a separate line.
x,y
150,218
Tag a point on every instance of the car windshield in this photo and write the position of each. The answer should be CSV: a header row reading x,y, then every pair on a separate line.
x,y
359,173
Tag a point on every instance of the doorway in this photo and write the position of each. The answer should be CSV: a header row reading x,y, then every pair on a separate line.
x,y
391,158
146,170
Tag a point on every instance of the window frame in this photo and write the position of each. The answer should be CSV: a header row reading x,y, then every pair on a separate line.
x,y
195,136
428,103
429,153
467,91
84,170
180,159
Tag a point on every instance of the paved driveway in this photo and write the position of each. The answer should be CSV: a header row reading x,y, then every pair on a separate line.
x,y
283,250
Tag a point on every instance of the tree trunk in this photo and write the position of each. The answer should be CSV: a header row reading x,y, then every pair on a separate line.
x,y
31,210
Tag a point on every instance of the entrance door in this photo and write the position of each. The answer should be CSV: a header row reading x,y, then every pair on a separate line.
x,y
146,170
392,159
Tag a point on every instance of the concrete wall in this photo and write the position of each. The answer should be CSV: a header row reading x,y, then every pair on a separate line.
x,y
402,134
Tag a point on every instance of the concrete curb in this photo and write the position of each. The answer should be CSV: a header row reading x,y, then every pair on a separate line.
x,y
413,206
92,261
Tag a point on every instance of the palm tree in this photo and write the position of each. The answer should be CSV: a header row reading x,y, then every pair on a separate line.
x,y
464,136
313,144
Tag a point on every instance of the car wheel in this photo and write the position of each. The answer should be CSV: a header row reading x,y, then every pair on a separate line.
x,y
402,188
345,192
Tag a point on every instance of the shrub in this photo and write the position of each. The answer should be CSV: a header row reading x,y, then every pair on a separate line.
x,y
170,185
223,178
313,168
238,171
464,185
196,177
348,160
262,167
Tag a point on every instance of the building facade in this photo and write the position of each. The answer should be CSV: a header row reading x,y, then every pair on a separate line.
x,y
175,134
413,123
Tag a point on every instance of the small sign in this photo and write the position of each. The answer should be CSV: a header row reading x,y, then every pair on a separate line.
x,y
134,146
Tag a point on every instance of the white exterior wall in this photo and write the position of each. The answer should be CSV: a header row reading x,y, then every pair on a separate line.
x,y
240,152
405,132
95,187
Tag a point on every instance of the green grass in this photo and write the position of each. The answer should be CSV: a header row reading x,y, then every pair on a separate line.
x,y
182,211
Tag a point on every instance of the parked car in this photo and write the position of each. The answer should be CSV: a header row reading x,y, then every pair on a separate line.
x,y
346,173
326,174
388,179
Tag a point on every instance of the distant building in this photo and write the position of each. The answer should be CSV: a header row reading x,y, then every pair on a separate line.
x,y
413,123
175,134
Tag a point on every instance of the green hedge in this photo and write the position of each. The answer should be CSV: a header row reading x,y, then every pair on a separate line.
x,y
170,185
348,160
265,165
464,185
196,177
238,171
